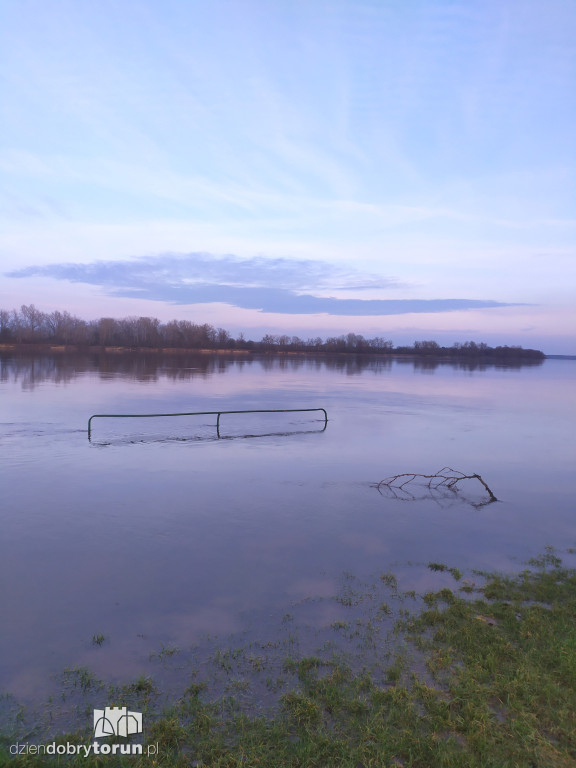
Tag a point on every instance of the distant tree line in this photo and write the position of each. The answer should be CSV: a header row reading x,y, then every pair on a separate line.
x,y
29,325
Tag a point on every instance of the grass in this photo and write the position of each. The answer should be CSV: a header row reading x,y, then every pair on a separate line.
x,y
455,572
79,677
486,679
165,652
142,686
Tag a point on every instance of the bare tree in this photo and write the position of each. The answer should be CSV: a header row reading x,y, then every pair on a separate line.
x,y
32,322
107,330
5,324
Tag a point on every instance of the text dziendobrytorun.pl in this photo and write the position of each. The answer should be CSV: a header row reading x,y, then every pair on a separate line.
x,y
82,749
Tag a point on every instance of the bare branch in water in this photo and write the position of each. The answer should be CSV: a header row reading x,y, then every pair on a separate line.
x,y
445,478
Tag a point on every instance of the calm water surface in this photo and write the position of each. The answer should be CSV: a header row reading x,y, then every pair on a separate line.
x,y
157,533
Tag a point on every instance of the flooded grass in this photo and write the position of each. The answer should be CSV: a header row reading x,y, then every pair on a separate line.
x,y
470,676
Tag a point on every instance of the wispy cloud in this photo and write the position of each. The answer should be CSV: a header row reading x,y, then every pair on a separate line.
x,y
269,285
205,268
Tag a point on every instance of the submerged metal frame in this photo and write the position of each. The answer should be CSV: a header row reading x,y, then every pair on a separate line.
x,y
199,413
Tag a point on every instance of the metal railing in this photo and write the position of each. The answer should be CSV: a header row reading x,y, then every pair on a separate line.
x,y
199,413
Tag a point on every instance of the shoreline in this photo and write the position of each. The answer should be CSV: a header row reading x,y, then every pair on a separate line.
x,y
477,672
388,355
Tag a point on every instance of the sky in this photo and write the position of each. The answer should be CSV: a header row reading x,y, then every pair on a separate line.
x,y
400,168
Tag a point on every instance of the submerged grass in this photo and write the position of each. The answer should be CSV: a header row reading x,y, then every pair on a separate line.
x,y
497,688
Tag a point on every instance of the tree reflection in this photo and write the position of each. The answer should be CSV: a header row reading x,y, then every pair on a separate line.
x,y
31,369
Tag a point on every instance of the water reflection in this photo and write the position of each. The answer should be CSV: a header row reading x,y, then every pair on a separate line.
x,y
217,435
200,438
154,545
30,370
429,365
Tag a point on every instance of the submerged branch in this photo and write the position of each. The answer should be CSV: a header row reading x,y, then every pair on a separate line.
x,y
445,478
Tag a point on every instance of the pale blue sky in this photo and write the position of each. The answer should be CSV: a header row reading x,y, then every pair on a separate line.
x,y
403,167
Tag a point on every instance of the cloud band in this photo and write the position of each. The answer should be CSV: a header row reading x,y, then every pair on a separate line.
x,y
282,286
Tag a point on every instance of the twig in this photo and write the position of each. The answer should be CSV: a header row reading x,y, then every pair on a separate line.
x,y
446,477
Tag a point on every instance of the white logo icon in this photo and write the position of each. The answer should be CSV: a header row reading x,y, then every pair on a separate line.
x,y
116,721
